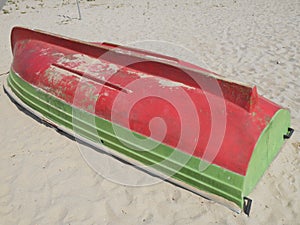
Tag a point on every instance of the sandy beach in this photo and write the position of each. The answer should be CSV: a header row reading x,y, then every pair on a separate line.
x,y
45,180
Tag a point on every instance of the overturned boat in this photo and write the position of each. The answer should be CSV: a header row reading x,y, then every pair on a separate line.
x,y
203,132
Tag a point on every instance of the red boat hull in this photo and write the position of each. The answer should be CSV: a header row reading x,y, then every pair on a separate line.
x,y
171,101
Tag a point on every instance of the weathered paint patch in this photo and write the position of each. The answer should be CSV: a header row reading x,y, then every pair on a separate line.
x,y
44,51
138,73
170,83
89,65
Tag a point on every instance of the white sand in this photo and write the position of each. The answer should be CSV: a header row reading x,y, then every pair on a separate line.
x,y
43,178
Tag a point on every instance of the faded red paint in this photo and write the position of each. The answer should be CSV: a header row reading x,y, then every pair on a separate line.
x,y
57,65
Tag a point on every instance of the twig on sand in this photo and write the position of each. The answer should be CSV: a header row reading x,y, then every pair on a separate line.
x,y
2,74
79,13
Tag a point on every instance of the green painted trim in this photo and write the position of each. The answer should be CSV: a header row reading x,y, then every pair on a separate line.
x,y
214,179
266,148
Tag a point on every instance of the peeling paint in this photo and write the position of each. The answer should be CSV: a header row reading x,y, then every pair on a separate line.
x,y
58,54
113,67
143,75
170,83
53,76
138,73
44,51
86,64
62,71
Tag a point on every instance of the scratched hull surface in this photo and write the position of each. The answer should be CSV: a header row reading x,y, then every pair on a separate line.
x,y
130,87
